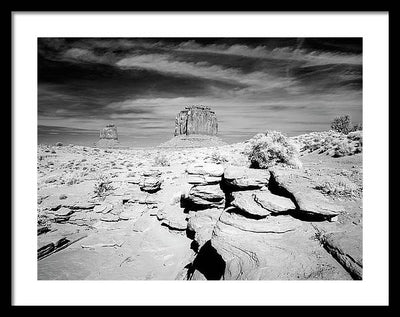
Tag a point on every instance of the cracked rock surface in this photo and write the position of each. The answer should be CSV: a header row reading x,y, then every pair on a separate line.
x,y
197,214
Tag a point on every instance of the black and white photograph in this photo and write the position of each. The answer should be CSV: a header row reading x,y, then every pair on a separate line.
x,y
200,160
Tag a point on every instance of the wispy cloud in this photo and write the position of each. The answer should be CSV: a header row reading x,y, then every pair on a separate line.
x,y
165,63
284,53
141,84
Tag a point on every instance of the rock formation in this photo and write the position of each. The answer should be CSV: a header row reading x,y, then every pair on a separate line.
x,y
196,126
196,120
256,221
151,181
108,136
109,132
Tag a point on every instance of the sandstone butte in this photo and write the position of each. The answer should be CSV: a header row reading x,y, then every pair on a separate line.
x,y
109,132
196,119
108,136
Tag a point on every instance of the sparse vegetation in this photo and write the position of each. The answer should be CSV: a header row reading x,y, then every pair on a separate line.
x,y
102,186
340,187
318,235
72,178
43,221
330,142
345,148
356,136
273,148
218,158
161,160
342,124
357,127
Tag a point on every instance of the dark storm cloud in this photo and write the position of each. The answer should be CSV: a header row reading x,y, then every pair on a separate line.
x,y
147,81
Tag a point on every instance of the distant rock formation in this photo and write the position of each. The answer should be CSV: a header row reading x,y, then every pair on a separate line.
x,y
108,136
109,132
196,119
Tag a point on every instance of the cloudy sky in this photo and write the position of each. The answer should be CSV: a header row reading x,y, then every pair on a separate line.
x,y
253,84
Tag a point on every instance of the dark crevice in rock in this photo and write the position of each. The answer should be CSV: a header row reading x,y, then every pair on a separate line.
x,y
276,189
353,267
190,206
208,262
172,228
194,246
227,192
307,216
243,213
150,191
226,187
190,234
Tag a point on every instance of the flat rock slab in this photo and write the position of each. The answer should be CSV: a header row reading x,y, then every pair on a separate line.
x,y
62,212
72,202
150,184
210,169
346,248
143,224
132,212
244,200
243,178
160,256
202,223
273,203
270,224
269,256
203,179
103,208
297,186
207,196
172,216
109,218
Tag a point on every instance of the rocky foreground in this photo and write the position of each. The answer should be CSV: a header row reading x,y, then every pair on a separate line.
x,y
198,213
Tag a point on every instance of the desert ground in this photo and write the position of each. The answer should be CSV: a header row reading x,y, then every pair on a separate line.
x,y
199,213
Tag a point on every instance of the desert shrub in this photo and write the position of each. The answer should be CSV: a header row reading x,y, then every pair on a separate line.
x,y
43,220
273,148
342,124
344,148
102,186
218,158
357,127
249,144
72,178
161,160
341,187
355,136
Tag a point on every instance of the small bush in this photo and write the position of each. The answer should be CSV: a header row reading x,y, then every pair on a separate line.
x,y
72,178
273,148
344,148
103,186
357,127
161,160
355,136
218,158
42,220
339,188
342,124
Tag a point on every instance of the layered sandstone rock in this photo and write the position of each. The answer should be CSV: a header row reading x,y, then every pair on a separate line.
x,y
196,120
109,132
151,181
108,136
